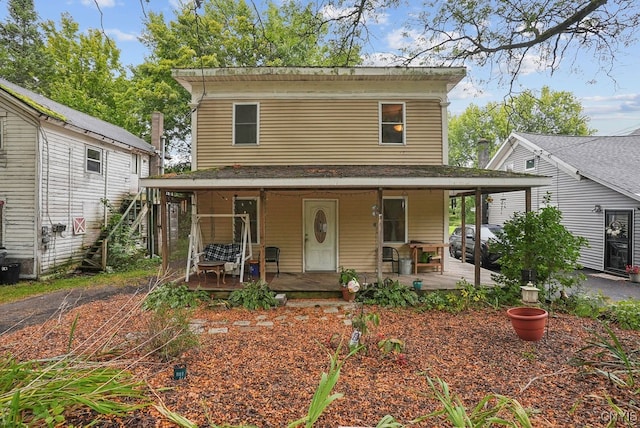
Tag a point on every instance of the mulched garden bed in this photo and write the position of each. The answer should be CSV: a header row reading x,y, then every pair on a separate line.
x,y
266,372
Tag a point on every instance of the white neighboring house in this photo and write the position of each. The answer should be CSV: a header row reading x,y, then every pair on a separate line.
x,y
595,184
56,165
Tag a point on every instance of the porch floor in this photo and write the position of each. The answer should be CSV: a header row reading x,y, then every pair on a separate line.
x,y
325,284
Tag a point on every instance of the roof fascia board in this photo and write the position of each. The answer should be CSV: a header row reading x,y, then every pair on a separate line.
x,y
509,146
433,95
351,182
96,136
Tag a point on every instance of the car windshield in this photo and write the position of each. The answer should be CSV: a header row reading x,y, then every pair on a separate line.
x,y
489,232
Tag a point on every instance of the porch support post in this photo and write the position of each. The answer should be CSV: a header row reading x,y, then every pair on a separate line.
x,y
379,236
262,223
527,199
163,229
477,246
463,225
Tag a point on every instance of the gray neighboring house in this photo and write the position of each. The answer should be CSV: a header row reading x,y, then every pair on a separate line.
x,y
595,184
56,166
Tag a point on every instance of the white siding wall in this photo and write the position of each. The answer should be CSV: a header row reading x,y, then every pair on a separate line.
x,y
70,191
575,199
18,175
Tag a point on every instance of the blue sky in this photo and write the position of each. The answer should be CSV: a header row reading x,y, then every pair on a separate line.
x,y
611,102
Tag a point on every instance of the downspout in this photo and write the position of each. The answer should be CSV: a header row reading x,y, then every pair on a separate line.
x,y
38,202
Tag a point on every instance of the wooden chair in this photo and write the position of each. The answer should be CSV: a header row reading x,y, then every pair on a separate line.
x,y
272,255
390,254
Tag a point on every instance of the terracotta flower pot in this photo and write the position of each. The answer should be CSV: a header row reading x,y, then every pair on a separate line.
x,y
347,295
528,323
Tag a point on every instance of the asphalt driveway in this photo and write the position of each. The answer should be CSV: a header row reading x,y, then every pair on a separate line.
x,y
615,287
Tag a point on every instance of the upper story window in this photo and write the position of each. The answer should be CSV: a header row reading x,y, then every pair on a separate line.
x,y
246,206
530,164
94,160
246,123
392,123
394,219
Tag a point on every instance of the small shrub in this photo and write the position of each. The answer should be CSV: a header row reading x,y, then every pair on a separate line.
x,y
174,296
391,346
254,295
626,314
169,333
472,296
581,305
434,300
390,294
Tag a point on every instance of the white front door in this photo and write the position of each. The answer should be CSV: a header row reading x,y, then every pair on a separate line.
x,y
320,231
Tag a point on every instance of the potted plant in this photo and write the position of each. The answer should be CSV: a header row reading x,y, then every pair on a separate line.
x,y
634,273
417,284
349,283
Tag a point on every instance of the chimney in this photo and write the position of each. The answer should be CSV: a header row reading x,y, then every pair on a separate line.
x,y
483,152
156,166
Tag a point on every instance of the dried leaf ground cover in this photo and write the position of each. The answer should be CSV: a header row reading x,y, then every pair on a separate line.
x,y
264,369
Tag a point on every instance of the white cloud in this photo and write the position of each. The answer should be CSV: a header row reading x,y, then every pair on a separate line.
x,y
121,36
614,114
101,3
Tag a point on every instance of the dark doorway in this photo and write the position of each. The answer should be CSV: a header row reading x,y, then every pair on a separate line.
x,y
617,240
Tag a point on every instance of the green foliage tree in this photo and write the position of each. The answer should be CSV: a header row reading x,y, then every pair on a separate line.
x,y
225,33
23,59
86,73
538,240
549,112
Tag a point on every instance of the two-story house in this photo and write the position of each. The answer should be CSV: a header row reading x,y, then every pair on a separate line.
x,y
57,167
331,164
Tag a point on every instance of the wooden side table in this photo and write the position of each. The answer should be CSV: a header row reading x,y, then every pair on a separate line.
x,y
436,261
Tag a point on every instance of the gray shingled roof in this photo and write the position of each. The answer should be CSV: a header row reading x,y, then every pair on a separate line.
x,y
73,117
612,161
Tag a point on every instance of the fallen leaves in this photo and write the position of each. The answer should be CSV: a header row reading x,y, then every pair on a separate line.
x,y
266,375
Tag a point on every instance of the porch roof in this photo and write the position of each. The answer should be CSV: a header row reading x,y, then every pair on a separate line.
x,y
458,180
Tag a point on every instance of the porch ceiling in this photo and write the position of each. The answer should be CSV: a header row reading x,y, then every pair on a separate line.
x,y
458,180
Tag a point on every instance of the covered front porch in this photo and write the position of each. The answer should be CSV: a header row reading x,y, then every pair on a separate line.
x,y
325,284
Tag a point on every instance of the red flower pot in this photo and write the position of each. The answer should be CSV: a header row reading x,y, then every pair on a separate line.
x,y
528,323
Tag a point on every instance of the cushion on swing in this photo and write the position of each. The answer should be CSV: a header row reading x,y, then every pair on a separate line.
x,y
222,252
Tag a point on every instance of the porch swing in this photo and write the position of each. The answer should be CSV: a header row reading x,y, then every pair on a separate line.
x,y
223,257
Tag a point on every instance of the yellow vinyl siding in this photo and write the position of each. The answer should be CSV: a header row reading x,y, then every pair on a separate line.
x,y
356,225
321,131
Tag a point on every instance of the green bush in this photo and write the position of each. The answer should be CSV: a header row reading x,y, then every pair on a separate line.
x,y
389,293
254,295
581,305
626,314
537,240
435,300
174,296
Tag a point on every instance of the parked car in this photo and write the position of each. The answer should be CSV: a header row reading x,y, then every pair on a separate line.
x,y
488,233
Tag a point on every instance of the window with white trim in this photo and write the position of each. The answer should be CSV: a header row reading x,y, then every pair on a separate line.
x,y
135,163
394,219
94,160
392,123
249,206
246,123
530,164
